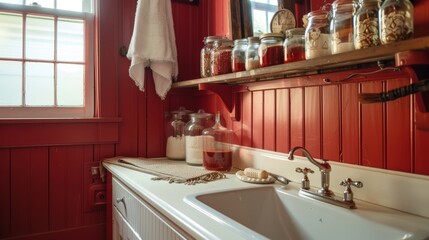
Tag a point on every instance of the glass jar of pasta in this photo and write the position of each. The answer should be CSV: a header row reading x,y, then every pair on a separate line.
x,y
205,68
366,30
396,21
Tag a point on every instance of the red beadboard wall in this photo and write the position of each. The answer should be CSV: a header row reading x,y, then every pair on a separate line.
x,y
44,166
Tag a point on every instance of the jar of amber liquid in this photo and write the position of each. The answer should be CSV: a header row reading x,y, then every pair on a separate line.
x,y
341,26
271,49
220,57
294,45
366,30
239,55
317,37
396,21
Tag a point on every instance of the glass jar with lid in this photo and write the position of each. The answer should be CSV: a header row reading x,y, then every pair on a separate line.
x,y
294,45
220,57
317,37
366,30
175,131
271,49
341,26
217,142
205,55
193,136
252,57
239,55
396,21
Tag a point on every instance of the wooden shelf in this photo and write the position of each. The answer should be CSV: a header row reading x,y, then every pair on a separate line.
x,y
312,66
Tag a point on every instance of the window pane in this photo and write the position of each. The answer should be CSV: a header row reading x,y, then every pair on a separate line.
x,y
259,22
12,1
10,35
70,40
10,83
70,85
70,5
39,84
42,3
40,38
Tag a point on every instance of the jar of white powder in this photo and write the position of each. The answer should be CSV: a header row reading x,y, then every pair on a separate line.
x,y
193,135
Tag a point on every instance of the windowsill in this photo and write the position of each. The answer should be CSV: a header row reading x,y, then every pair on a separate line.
x,y
60,120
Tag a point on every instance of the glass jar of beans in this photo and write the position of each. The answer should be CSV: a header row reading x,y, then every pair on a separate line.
x,y
220,57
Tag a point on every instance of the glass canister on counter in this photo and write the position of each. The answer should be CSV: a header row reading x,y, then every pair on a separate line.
x,y
205,67
239,55
294,45
365,21
317,37
175,130
217,142
252,56
271,49
220,57
396,21
193,135
341,26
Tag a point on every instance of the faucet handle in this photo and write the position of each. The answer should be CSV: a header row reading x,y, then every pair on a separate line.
x,y
348,194
305,182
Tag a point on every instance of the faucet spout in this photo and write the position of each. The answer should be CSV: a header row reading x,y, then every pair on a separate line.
x,y
324,168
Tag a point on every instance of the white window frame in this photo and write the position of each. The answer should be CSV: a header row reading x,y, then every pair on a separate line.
x,y
87,111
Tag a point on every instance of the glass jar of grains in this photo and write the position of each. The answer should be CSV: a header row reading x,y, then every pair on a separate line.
x,y
396,21
317,37
271,49
252,57
220,57
366,24
205,68
341,26
239,55
294,45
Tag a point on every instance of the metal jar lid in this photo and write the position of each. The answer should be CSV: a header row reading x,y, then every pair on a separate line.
x,y
267,35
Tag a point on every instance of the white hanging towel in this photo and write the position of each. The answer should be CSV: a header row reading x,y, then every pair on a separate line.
x,y
153,45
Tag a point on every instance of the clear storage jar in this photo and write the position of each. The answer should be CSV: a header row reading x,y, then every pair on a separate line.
x,y
175,148
365,21
193,136
294,45
205,67
317,37
217,142
396,21
252,56
271,49
341,26
239,55
220,57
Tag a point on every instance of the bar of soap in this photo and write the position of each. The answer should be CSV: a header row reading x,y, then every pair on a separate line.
x,y
255,173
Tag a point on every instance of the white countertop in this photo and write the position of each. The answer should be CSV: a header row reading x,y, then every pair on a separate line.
x,y
168,199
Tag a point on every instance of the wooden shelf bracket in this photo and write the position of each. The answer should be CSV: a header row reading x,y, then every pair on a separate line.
x,y
229,96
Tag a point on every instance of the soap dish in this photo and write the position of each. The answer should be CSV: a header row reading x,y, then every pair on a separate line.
x,y
240,175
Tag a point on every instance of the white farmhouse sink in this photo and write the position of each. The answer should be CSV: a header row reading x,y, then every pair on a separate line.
x,y
273,212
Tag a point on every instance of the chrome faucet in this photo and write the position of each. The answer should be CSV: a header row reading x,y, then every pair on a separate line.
x,y
324,194
324,169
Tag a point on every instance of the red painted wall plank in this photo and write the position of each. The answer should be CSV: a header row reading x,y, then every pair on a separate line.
x,y
237,125
258,119
247,119
372,129
66,185
296,117
282,120
399,122
312,120
331,123
5,192
421,157
29,190
350,124
269,120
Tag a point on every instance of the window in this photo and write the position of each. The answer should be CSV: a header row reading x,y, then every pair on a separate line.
x,y
46,58
262,13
